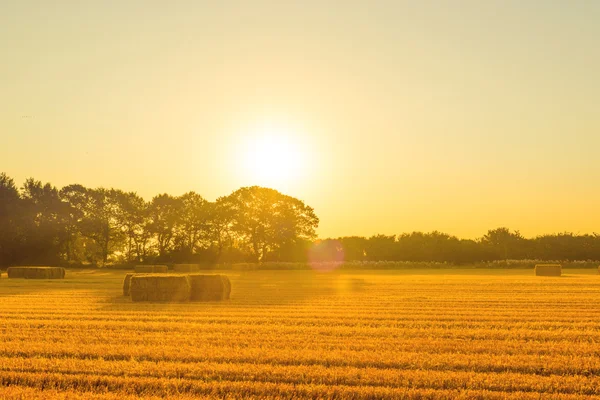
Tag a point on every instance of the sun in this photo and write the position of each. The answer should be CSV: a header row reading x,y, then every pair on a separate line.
x,y
272,156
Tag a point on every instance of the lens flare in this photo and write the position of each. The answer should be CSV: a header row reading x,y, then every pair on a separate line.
x,y
326,255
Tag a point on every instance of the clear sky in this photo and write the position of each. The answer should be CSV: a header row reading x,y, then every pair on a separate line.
x,y
385,116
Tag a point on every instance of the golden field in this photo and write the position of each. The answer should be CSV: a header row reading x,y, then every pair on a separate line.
x,y
297,334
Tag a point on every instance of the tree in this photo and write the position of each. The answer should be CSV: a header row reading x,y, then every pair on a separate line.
x,y
266,220
11,221
355,248
164,214
221,224
194,223
75,196
132,218
47,222
503,241
96,216
381,247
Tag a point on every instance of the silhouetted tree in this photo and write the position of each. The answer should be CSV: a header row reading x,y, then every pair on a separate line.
x,y
381,248
503,241
354,247
11,221
132,218
96,213
47,220
266,220
164,217
222,215
194,223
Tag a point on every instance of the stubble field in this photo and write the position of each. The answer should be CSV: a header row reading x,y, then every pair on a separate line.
x,y
297,334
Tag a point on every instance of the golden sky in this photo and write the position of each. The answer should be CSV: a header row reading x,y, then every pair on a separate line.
x,y
385,116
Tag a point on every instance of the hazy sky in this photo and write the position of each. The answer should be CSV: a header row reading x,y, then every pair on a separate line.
x,y
456,116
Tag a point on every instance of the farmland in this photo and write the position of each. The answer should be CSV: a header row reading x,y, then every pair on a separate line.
x,y
298,334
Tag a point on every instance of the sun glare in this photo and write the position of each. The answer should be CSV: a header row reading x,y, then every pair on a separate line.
x,y
273,156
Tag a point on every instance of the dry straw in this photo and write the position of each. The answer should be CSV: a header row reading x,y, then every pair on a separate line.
x,y
151,269
167,288
210,287
183,268
36,272
548,270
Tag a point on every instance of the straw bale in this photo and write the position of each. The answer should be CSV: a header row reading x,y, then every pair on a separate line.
x,y
36,272
210,287
159,287
548,270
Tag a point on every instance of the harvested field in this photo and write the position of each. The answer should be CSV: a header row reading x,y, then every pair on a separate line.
x,y
296,334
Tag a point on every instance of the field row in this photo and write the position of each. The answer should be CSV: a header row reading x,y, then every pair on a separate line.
x,y
543,365
175,387
551,333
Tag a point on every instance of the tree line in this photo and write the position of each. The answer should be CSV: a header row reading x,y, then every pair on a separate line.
x,y
40,224
499,244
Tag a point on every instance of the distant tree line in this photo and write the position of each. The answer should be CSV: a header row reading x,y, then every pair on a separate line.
x,y
40,224
496,245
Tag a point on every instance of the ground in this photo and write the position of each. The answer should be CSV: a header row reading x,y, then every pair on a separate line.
x,y
297,334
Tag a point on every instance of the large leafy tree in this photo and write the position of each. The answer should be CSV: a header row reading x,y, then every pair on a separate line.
x,y
266,220
164,213
221,224
132,218
194,223
96,214
47,222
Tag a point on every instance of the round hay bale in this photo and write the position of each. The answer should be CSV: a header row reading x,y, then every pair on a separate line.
x,y
210,287
159,287
548,270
